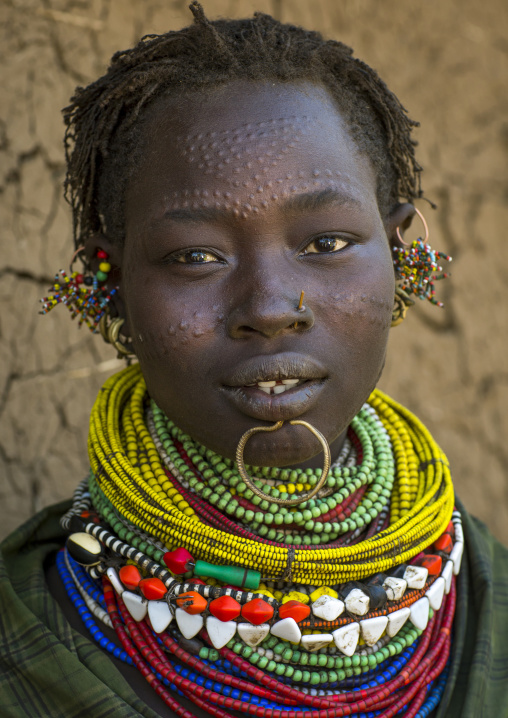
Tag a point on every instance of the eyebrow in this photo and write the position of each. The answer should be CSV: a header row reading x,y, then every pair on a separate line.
x,y
305,202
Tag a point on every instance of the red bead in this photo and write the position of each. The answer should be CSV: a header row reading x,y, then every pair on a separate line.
x,y
225,608
450,529
101,254
192,602
130,576
152,588
257,611
294,609
444,543
79,279
431,562
178,561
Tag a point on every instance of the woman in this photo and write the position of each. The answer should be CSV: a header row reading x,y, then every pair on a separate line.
x,y
240,190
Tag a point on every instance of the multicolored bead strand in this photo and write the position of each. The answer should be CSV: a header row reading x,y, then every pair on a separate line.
x,y
86,295
417,268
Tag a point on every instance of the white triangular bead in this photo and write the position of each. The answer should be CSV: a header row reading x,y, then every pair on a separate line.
x,y
436,592
327,608
253,635
115,580
456,556
346,638
315,641
136,605
220,632
395,588
159,614
447,574
416,576
357,602
419,616
373,628
287,629
188,623
396,620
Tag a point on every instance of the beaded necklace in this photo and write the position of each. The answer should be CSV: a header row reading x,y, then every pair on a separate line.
x,y
353,589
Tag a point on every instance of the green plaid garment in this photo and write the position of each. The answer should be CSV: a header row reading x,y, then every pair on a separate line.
x,y
49,670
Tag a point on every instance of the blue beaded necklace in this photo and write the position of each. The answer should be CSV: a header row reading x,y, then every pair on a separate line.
x,y
79,585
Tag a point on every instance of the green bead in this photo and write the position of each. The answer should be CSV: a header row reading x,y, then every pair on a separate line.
x,y
234,575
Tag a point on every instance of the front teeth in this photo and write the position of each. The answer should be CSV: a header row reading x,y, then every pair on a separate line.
x,y
276,387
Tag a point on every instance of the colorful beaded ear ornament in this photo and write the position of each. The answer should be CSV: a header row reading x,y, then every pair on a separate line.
x,y
86,295
416,270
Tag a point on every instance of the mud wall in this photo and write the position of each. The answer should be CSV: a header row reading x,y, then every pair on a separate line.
x,y
446,59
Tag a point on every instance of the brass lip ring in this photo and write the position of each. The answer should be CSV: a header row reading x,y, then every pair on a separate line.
x,y
283,502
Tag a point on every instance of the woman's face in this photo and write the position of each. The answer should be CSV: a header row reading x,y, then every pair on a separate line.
x,y
243,198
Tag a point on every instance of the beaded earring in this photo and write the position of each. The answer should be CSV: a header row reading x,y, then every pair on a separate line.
x,y
86,295
416,270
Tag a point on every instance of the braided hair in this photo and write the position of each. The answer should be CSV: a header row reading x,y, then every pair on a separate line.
x,y
104,122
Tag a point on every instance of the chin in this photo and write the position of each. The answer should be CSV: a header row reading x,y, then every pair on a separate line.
x,y
291,445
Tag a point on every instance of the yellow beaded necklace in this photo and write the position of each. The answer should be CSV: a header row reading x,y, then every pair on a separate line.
x,y
130,473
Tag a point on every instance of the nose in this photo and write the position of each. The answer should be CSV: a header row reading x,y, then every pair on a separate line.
x,y
270,312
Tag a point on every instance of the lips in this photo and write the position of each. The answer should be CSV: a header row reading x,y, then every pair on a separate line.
x,y
252,386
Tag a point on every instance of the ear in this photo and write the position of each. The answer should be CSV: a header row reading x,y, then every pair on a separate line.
x,y
114,250
399,218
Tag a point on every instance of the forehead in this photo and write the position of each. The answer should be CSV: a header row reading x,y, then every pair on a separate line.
x,y
244,146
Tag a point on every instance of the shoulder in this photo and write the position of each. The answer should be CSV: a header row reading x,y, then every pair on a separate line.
x,y
48,668
478,683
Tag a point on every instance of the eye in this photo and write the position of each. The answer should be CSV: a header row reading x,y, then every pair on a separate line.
x,y
324,245
196,256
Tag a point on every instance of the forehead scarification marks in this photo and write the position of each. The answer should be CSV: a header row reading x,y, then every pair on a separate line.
x,y
250,146
261,196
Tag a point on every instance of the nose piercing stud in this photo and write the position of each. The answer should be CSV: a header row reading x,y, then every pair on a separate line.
x,y
300,307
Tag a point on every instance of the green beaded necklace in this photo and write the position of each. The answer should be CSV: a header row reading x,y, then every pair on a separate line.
x,y
217,481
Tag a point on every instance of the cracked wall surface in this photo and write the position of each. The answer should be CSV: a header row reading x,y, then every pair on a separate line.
x,y
446,59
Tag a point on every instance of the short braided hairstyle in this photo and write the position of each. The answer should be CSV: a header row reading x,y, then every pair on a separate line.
x,y
104,122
